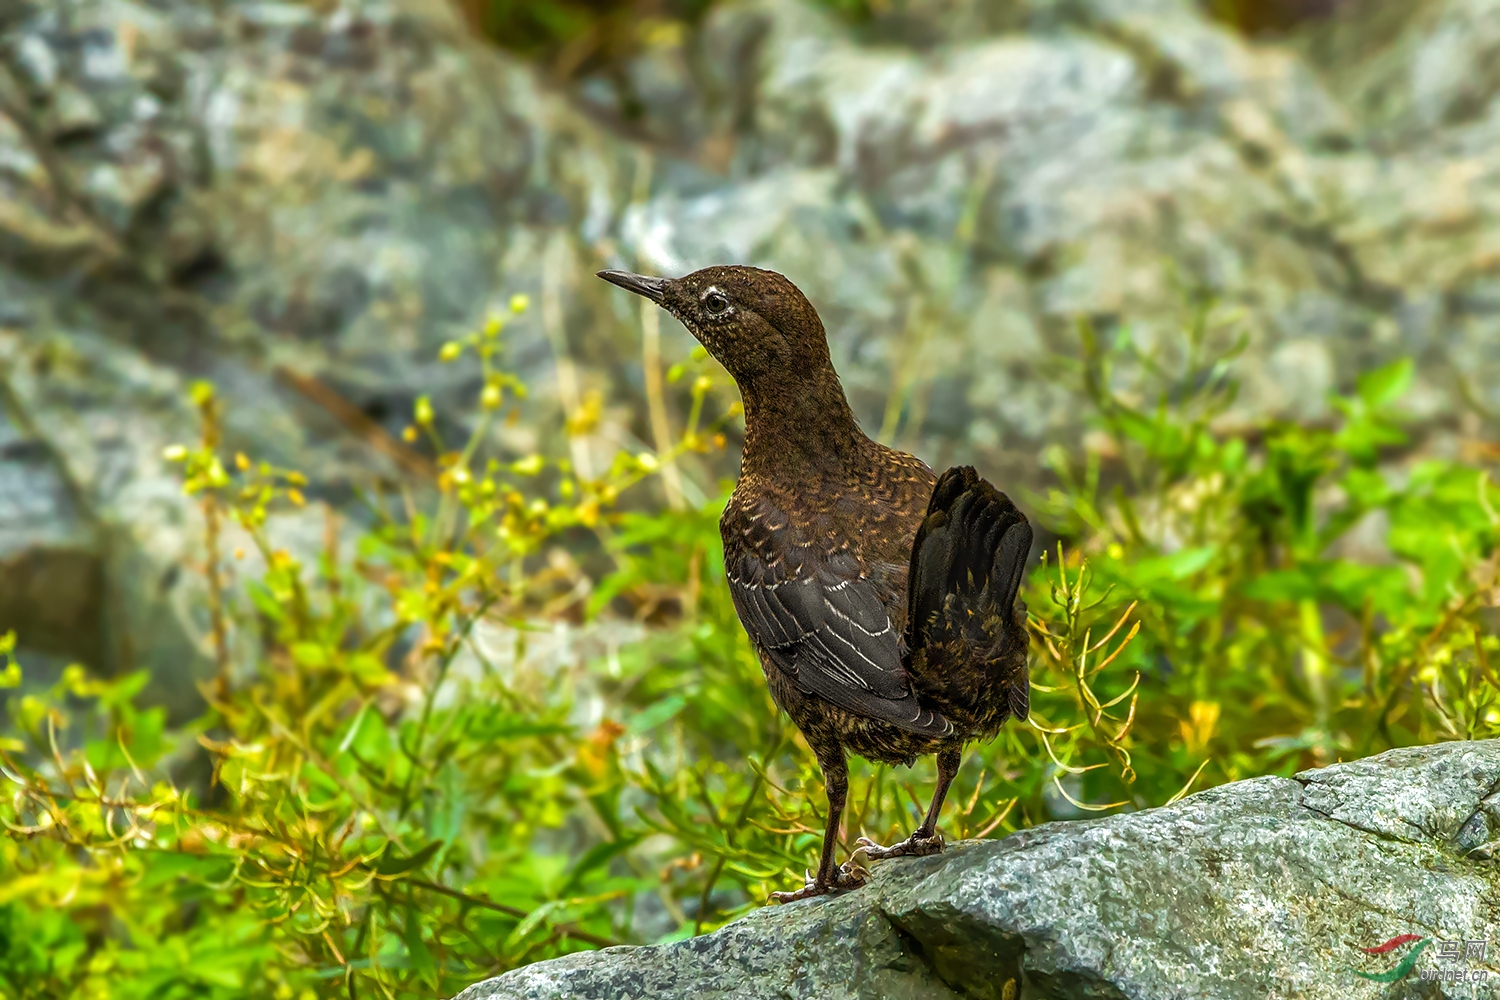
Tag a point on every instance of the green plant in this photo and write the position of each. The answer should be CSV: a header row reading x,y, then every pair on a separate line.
x,y
376,819
392,795
1268,642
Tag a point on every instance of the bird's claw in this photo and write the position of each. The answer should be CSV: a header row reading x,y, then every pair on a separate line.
x,y
914,846
850,875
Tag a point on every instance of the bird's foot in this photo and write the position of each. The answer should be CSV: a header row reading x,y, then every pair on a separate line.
x,y
914,846
850,875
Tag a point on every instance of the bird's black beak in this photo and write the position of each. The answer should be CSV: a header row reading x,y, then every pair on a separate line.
x,y
654,289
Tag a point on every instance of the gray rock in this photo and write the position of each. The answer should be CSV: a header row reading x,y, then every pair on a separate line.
x,y
51,565
1260,889
243,190
257,194
1112,160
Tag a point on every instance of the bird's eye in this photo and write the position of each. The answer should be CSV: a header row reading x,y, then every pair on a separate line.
x,y
715,304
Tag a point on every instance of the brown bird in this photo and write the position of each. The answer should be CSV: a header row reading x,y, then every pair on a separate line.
x,y
881,598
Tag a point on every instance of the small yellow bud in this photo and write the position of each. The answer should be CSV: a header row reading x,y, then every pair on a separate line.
x,y
408,434
422,412
296,497
174,453
528,466
241,462
451,350
702,384
493,326
491,397
648,461
239,553
520,303
720,441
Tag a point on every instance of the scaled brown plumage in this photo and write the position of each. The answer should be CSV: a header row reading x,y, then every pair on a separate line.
x,y
880,597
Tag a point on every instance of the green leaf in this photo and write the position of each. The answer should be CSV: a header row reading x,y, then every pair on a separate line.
x,y
653,716
1183,564
594,857
416,948
1383,386
533,920
163,867
310,654
390,865
368,668
265,602
1282,585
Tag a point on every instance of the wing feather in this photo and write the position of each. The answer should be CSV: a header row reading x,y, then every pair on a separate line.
x,y
826,628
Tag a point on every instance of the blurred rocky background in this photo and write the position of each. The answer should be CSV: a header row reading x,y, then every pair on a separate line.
x,y
302,201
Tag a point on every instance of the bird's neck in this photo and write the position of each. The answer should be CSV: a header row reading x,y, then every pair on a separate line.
x,y
800,429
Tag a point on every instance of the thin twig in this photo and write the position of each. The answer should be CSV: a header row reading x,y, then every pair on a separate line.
x,y
359,423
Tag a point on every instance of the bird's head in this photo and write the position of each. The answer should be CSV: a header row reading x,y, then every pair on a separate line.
x,y
755,323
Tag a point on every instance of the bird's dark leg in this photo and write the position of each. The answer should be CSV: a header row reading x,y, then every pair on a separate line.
x,y
830,877
926,839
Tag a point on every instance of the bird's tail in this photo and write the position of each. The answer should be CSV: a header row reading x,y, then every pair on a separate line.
x,y
966,627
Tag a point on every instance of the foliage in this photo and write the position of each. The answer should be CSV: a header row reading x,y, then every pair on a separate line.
x,y
578,37
385,812
1291,586
1269,17
397,790
575,37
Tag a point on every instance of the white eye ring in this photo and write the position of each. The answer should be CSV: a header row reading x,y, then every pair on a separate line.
x,y
715,302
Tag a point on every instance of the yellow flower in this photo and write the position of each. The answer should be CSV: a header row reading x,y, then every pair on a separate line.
x,y
1199,728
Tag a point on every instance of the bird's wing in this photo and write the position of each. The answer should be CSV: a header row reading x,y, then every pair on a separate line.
x,y
822,623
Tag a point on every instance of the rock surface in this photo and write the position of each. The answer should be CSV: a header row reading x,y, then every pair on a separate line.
x,y
261,195
1261,889
266,193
